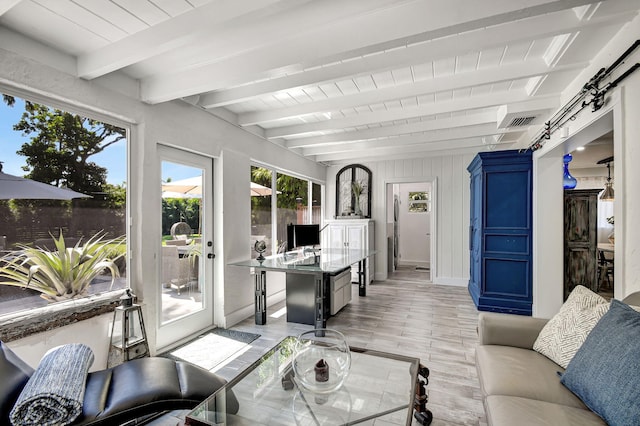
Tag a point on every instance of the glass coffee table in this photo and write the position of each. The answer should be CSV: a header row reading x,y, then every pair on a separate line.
x,y
380,387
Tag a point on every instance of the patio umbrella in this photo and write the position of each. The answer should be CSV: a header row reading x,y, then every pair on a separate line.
x,y
193,187
190,186
258,190
18,188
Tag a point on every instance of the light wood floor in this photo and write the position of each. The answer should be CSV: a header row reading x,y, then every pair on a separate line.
x,y
404,316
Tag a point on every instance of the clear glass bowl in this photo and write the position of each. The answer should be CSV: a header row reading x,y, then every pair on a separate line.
x,y
321,360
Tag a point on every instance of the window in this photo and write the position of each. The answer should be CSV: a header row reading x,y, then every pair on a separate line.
x,y
72,186
419,202
299,201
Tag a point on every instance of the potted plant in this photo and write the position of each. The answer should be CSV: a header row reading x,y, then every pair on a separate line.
x,y
357,188
64,273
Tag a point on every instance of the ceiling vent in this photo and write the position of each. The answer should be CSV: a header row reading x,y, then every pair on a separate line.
x,y
523,114
521,121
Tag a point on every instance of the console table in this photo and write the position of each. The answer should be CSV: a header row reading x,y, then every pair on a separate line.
x,y
310,275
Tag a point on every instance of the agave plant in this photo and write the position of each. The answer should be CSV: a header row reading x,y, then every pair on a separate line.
x,y
64,273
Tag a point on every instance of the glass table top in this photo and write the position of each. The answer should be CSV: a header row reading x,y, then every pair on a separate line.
x,y
326,260
380,387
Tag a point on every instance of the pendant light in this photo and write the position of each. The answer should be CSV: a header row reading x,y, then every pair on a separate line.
x,y
607,194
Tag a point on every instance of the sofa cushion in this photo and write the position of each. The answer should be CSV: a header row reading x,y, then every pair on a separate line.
x,y
505,370
605,372
563,335
510,410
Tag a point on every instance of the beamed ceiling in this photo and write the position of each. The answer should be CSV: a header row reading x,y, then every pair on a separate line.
x,y
335,81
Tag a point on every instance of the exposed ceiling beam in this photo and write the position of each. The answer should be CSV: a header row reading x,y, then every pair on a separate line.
x,y
392,152
462,80
459,133
464,104
165,37
421,21
528,29
401,129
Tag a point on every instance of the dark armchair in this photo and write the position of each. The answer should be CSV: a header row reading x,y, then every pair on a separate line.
x,y
126,392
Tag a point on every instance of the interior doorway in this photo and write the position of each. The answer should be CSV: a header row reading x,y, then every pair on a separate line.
x,y
409,225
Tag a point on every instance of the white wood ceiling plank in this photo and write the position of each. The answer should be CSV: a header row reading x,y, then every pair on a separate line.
x,y
409,102
299,95
163,37
383,79
503,86
445,96
444,67
331,90
392,153
115,14
461,133
363,109
323,44
402,76
426,99
393,105
490,58
173,7
453,82
400,142
144,10
347,87
516,52
539,47
467,63
315,93
462,93
6,5
388,129
423,71
481,90
526,29
84,18
52,29
492,99
365,83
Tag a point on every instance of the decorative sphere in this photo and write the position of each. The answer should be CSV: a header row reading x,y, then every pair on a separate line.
x,y
321,347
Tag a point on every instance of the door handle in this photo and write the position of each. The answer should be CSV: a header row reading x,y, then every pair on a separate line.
x,y
211,255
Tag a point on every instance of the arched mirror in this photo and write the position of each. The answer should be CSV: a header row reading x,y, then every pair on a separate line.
x,y
353,192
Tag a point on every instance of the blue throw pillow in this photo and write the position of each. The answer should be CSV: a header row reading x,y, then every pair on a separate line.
x,y
605,372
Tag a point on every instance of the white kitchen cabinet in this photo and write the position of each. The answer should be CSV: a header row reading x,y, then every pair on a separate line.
x,y
351,234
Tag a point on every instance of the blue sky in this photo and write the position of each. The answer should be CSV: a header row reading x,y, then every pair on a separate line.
x,y
11,141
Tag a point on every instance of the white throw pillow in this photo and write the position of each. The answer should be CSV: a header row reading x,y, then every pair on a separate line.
x,y
563,335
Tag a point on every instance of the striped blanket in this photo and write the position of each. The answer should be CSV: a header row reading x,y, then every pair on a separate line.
x,y
55,392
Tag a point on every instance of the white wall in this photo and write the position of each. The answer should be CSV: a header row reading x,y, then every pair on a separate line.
x,y
414,228
621,113
178,124
450,205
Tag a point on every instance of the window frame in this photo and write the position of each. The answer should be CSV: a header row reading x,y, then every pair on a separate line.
x,y
27,322
274,201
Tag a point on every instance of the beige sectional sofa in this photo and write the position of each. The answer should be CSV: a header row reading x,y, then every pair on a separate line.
x,y
520,386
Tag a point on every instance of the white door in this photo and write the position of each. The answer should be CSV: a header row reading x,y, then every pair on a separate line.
x,y
185,248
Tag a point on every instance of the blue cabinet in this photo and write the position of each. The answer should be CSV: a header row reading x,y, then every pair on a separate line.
x,y
500,232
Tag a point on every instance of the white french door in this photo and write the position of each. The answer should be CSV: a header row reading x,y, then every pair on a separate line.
x,y
185,248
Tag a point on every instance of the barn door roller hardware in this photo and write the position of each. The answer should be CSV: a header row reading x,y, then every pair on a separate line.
x,y
592,93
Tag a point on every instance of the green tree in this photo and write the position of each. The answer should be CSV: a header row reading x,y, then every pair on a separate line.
x,y
61,145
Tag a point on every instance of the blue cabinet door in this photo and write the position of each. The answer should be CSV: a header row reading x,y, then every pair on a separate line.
x,y
500,232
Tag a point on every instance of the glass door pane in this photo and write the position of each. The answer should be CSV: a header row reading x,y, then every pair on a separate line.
x,y
186,270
